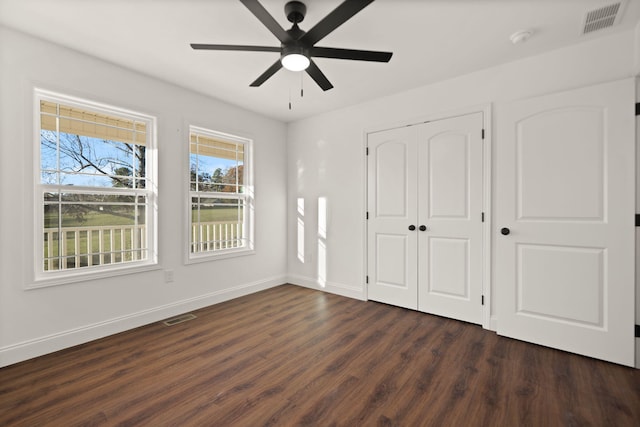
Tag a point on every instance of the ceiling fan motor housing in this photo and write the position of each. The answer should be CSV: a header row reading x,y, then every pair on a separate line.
x,y
294,48
294,45
295,11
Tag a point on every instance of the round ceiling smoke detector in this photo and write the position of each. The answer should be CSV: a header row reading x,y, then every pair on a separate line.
x,y
520,36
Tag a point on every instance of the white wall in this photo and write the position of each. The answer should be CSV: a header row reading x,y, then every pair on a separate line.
x,y
326,153
37,321
636,56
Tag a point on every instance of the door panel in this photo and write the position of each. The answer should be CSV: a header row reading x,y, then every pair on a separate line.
x,y
450,207
448,267
391,249
565,272
558,141
551,276
391,179
448,157
392,193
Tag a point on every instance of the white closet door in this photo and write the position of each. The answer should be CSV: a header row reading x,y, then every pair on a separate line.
x,y
393,207
566,197
450,218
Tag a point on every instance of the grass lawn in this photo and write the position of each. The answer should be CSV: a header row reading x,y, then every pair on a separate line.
x,y
222,214
96,219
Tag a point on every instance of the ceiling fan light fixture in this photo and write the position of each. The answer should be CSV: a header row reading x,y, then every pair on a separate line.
x,y
295,61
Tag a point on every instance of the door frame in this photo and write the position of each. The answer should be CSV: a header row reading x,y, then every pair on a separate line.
x,y
488,320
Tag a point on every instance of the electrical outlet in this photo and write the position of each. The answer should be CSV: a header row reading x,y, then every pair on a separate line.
x,y
168,276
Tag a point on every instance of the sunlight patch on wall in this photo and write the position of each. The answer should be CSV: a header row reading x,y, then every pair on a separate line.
x,y
301,229
322,241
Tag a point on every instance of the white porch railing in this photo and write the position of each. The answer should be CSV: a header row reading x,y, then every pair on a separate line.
x,y
76,247
211,236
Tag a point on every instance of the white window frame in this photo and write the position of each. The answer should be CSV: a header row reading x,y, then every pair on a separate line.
x,y
43,278
247,196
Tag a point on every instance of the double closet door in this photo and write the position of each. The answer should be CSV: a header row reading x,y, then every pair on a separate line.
x,y
424,231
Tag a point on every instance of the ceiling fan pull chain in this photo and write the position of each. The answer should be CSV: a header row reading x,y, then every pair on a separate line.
x,y
301,86
289,97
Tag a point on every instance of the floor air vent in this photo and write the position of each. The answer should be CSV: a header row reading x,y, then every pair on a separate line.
x,y
601,18
179,319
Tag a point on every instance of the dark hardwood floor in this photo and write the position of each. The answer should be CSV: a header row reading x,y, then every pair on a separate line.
x,y
294,356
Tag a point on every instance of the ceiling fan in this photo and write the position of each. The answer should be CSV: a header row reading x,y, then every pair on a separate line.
x,y
297,47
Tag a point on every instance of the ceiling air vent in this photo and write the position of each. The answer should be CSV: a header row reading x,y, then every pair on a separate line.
x,y
601,18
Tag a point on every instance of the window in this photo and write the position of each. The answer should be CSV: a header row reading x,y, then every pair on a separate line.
x,y
95,193
220,194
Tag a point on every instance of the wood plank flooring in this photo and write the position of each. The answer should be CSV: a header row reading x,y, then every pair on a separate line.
x,y
293,356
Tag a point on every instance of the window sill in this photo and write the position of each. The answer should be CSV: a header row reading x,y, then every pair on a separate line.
x,y
209,256
69,277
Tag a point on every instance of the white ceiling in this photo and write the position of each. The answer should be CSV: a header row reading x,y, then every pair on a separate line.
x,y
431,39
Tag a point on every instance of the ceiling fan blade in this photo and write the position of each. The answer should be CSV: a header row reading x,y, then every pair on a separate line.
x,y
199,46
270,72
356,55
333,20
318,76
267,20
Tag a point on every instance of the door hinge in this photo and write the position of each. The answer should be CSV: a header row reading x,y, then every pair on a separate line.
x,y
367,279
482,133
367,214
637,220
482,216
637,108
367,151
637,331
482,299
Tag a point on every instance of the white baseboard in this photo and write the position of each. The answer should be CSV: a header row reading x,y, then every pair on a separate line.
x,y
48,344
349,291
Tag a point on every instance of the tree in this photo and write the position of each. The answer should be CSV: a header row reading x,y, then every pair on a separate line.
x,y
233,178
209,182
217,178
118,181
203,179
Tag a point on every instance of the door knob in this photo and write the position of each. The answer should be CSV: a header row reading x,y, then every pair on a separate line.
x,y
423,228
505,231
412,227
